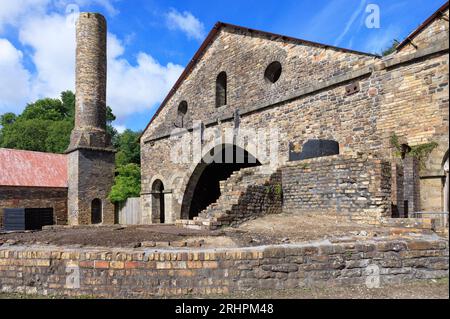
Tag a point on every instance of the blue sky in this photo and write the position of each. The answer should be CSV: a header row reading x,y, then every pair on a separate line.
x,y
151,41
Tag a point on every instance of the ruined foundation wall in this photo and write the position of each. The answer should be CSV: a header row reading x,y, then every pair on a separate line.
x,y
137,273
357,186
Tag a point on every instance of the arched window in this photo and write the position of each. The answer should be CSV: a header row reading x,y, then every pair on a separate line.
x,y
181,114
221,89
158,207
96,211
273,72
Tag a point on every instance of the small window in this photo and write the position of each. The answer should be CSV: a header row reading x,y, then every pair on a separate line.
x,y
182,111
273,72
221,89
96,211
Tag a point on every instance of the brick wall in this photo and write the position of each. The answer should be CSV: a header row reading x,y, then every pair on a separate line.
x,y
138,273
338,184
32,197
309,102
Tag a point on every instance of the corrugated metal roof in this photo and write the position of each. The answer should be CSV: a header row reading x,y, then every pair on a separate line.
x,y
32,169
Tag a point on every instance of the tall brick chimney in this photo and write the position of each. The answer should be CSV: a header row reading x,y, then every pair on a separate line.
x,y
91,156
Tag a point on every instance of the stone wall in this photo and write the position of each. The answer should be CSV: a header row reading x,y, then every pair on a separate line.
x,y
33,197
310,101
338,184
436,31
91,176
122,273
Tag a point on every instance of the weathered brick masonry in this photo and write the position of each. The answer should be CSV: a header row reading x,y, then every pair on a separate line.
x,y
137,273
35,197
338,184
405,94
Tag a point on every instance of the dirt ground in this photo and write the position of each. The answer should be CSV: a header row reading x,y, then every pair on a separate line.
x,y
430,289
271,229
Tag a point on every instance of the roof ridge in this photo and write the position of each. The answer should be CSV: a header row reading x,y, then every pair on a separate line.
x,y
209,39
28,151
423,25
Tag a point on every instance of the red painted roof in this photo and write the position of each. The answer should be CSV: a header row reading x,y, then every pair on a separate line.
x,y
32,169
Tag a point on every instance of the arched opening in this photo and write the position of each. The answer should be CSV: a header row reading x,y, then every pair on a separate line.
x,y
273,72
158,212
96,211
203,187
181,114
221,89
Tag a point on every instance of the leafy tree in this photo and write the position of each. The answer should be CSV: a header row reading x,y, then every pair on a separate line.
x,y
127,183
58,137
44,125
129,150
390,49
26,135
7,118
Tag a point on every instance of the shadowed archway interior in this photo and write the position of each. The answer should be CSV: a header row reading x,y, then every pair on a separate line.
x,y
203,187
158,209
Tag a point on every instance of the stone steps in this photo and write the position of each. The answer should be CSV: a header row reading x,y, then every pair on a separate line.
x,y
226,209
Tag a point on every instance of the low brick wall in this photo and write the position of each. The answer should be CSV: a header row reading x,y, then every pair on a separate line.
x,y
145,273
35,197
356,186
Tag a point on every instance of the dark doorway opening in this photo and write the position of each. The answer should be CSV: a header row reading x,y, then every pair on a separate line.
x,y
158,201
204,185
19,219
96,211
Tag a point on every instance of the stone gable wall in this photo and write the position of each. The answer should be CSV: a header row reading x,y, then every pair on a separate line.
x,y
405,94
244,58
436,31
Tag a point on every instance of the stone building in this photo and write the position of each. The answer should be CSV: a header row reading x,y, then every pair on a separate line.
x,y
388,117
33,180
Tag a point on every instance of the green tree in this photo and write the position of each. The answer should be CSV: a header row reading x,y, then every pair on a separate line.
x,y
7,119
129,150
127,183
44,125
390,49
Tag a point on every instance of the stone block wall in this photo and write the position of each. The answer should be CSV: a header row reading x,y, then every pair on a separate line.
x,y
32,197
392,92
437,30
91,176
139,273
358,186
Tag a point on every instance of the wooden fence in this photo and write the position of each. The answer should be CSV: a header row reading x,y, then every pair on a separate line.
x,y
129,212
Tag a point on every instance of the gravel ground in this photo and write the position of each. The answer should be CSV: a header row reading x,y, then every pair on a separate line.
x,y
272,229
435,289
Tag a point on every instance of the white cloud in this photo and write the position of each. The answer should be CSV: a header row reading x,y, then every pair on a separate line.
x,y
107,5
350,22
135,85
53,43
120,128
12,12
14,79
136,88
187,23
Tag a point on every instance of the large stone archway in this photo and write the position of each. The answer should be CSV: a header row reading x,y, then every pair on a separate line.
x,y
203,186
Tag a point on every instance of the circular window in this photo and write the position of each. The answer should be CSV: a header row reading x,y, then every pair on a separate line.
x,y
273,72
